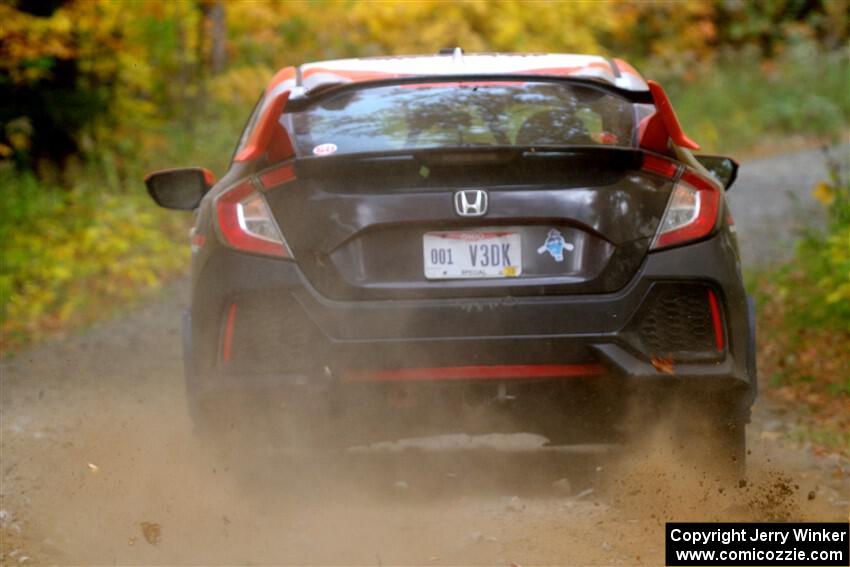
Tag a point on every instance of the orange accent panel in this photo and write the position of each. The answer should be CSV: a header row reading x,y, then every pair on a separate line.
x,y
265,130
283,75
624,67
669,120
208,176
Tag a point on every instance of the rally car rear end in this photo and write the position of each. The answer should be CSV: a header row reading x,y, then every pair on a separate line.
x,y
407,256
674,323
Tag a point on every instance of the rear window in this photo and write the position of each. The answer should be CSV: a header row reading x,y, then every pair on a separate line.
x,y
403,117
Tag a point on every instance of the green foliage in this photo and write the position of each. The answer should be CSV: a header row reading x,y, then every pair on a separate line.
x,y
815,286
805,303
804,324
742,101
825,258
829,439
69,255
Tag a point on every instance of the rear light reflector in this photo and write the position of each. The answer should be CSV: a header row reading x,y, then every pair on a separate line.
x,y
716,320
277,176
227,340
497,372
197,240
691,212
660,166
247,224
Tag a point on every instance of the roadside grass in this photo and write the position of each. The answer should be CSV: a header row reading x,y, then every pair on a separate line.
x,y
829,440
804,324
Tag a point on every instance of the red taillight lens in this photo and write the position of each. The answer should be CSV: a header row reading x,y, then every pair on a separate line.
x,y
247,224
691,212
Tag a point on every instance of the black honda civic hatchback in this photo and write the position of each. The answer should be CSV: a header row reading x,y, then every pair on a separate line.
x,y
404,246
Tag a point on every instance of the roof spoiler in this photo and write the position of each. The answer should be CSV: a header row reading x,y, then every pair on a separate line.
x,y
655,130
663,125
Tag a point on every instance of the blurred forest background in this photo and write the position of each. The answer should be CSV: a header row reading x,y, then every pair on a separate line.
x,y
95,93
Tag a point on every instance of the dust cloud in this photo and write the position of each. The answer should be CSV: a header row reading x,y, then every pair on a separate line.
x,y
100,464
493,499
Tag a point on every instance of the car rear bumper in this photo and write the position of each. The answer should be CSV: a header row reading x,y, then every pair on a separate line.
x,y
264,326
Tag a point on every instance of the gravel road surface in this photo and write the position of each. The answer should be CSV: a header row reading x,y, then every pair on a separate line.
x,y
100,466
772,201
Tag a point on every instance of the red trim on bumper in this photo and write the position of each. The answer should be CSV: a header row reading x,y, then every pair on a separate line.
x,y
227,342
718,322
499,372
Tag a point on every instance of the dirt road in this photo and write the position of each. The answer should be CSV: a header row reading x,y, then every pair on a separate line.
x,y
99,465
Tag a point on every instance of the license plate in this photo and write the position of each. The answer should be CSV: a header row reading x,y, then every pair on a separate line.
x,y
451,255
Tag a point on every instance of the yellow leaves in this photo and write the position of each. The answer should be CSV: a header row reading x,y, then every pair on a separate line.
x,y
426,26
30,38
18,133
674,33
240,86
274,34
90,252
824,192
836,282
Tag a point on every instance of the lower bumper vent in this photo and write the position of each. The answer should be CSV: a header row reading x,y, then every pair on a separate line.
x,y
272,335
677,320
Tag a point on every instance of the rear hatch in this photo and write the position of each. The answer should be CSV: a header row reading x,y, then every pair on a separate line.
x,y
518,186
390,226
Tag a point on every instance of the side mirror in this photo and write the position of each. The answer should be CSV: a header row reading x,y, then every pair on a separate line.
x,y
724,169
180,188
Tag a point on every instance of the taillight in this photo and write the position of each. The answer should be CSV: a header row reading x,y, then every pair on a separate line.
x,y
691,212
247,224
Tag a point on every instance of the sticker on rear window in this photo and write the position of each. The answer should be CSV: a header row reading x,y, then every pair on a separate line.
x,y
555,245
324,149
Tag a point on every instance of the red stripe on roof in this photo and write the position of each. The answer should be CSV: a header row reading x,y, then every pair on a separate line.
x,y
564,70
284,74
352,75
624,67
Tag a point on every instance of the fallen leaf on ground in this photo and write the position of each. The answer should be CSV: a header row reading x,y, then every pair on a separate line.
x,y
151,531
663,365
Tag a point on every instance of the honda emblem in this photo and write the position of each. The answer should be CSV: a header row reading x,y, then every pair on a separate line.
x,y
472,203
